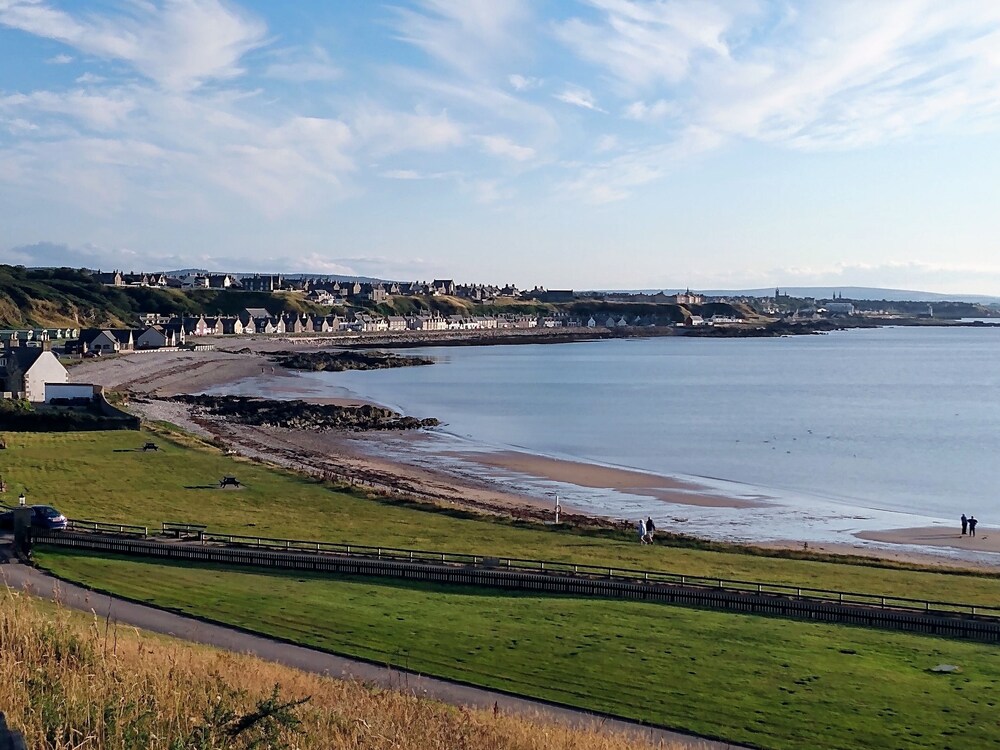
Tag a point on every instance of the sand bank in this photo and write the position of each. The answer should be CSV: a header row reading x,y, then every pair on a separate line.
x,y
985,540
629,481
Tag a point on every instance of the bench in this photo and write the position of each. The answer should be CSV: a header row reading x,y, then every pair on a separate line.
x,y
150,447
177,530
229,482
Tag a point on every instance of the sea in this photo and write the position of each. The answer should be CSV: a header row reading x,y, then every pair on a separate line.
x,y
853,430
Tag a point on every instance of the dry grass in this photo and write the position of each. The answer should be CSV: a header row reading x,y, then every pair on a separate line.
x,y
69,681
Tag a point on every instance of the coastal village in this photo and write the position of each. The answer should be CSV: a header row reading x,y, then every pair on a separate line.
x,y
28,364
350,309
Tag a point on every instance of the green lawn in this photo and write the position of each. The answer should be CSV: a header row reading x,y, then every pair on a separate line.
x,y
101,475
774,683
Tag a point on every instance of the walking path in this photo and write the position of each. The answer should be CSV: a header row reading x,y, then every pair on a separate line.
x,y
25,578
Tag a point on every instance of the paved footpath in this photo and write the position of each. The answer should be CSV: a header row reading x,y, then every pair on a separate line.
x,y
37,583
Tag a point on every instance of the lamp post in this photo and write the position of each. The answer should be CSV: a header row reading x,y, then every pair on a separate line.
x,y
21,500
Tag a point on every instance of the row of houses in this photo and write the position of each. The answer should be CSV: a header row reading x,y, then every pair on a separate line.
x,y
157,332
333,291
644,321
15,335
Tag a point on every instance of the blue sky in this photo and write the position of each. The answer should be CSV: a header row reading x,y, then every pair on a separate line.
x,y
580,143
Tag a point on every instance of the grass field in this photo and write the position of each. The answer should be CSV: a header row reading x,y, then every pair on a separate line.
x,y
774,683
102,476
67,681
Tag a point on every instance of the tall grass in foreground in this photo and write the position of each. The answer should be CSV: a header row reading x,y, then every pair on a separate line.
x,y
69,681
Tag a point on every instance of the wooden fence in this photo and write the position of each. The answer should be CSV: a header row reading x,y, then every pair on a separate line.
x,y
932,618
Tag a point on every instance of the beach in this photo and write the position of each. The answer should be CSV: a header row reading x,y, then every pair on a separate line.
x,y
520,484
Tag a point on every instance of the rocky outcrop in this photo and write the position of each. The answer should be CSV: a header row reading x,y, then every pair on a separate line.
x,y
301,415
346,360
778,328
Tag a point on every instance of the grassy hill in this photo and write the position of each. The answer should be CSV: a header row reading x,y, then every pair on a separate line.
x,y
52,297
55,297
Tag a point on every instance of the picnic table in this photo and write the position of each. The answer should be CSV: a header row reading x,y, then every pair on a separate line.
x,y
228,481
150,447
177,530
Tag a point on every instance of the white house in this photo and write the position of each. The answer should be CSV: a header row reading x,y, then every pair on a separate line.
x,y
26,370
152,338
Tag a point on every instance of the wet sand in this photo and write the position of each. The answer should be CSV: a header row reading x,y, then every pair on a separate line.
x,y
985,540
667,489
876,550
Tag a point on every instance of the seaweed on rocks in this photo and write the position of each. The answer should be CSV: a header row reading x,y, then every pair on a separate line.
x,y
346,360
302,415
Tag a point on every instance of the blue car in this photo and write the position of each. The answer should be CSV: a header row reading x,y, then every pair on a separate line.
x,y
42,517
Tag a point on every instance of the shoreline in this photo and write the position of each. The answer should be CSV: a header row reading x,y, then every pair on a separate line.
x,y
482,484
629,481
985,540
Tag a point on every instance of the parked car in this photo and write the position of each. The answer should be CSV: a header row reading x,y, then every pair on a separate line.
x,y
42,517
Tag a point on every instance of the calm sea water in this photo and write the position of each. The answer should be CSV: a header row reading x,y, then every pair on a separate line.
x,y
851,430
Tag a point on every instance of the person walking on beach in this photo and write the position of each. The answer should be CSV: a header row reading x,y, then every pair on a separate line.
x,y
650,529
972,525
965,524
642,531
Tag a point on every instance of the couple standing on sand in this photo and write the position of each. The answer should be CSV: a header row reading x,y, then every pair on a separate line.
x,y
646,531
969,525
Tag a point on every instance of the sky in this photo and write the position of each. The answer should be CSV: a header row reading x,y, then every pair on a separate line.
x,y
567,143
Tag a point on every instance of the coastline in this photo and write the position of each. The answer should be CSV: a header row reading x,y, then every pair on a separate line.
x,y
505,482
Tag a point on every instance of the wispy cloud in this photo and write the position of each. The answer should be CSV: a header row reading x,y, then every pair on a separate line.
x,y
962,278
302,66
828,74
578,97
466,35
106,111
658,110
615,179
387,131
59,60
57,254
499,145
177,43
645,43
519,82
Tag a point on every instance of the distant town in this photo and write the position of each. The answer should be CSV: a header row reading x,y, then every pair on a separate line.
x,y
277,305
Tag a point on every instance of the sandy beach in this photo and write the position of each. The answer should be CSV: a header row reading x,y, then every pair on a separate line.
x,y
985,540
471,480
